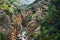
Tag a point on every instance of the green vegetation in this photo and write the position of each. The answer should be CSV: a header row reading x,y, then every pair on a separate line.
x,y
49,25
11,6
7,9
3,36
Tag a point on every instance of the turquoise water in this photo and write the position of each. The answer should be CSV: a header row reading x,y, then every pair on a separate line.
x,y
23,34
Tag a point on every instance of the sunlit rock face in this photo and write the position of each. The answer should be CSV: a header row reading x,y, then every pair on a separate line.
x,y
33,26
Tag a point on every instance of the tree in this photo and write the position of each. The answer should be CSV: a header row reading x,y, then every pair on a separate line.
x,y
50,27
3,36
9,5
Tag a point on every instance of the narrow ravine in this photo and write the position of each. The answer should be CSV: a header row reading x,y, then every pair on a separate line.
x,y
29,19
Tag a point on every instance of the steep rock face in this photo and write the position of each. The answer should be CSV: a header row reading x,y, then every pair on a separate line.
x,y
10,24
5,22
36,18
4,19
